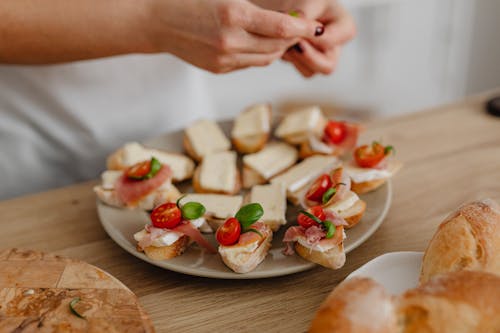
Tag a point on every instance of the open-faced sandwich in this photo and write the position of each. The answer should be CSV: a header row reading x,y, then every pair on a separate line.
x,y
337,138
173,228
275,158
218,173
251,129
204,137
332,190
132,153
273,200
143,185
296,127
372,166
244,242
319,237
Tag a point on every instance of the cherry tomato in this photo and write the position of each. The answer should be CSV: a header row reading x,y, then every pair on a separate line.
x,y
368,156
167,215
307,222
318,188
229,232
139,170
335,131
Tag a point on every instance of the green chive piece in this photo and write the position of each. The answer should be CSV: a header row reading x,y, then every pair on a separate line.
x,y
328,195
311,216
192,210
249,214
254,231
330,229
389,149
72,307
293,13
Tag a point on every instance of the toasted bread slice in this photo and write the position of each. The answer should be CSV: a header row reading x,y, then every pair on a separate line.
x,y
241,259
358,176
252,128
218,173
297,126
167,252
107,193
272,197
131,153
275,158
204,137
334,258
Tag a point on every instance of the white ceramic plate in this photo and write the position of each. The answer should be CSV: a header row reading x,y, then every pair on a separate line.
x,y
396,271
122,224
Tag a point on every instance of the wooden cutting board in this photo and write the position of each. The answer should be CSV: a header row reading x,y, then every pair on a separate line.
x,y
36,289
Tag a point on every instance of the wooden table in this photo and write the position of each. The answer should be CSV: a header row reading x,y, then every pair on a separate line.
x,y
451,155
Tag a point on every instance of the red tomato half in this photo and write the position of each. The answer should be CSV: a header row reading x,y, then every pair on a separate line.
x,y
368,156
229,232
167,215
139,170
307,222
318,188
335,131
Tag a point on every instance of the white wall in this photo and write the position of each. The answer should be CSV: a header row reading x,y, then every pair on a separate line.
x,y
408,55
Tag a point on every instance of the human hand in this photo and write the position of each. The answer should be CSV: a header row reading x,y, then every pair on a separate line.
x,y
311,56
225,35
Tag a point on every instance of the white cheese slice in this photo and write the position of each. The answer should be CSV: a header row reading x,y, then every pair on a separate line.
x,y
272,198
206,137
302,121
181,165
347,202
309,169
273,159
109,178
219,171
254,121
361,175
219,206
167,239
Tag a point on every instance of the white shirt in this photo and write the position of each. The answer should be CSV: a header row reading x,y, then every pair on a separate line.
x,y
59,122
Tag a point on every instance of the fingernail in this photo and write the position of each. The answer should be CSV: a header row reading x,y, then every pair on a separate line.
x,y
319,31
298,48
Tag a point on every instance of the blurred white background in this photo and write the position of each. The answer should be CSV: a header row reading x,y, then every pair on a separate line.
x,y
408,55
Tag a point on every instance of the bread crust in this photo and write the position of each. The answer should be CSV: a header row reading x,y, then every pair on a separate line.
x,y
306,151
365,187
167,252
188,147
467,239
333,258
250,145
251,177
109,197
199,189
354,214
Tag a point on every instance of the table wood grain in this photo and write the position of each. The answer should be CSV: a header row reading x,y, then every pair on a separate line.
x,y
451,155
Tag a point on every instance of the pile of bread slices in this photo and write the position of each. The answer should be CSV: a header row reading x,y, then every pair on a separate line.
x,y
308,161
459,289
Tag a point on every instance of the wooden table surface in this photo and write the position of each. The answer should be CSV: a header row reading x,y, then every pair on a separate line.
x,y
451,155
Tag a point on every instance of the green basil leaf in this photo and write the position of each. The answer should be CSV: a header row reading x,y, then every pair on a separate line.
x,y
178,202
328,195
311,216
255,231
389,149
153,169
330,229
249,214
72,307
192,210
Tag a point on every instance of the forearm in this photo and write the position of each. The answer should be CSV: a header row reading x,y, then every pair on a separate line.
x,y
54,31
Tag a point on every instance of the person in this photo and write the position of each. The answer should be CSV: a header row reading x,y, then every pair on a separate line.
x,y
80,78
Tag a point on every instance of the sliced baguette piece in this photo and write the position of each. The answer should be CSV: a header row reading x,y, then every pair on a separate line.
x,y
107,193
245,258
133,152
296,127
275,158
204,137
252,128
167,252
218,173
297,177
272,197
365,180
334,258
218,207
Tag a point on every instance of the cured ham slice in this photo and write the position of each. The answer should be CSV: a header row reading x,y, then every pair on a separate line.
x,y
252,237
130,191
189,230
314,235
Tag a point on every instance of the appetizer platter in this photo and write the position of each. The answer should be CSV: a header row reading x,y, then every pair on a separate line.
x,y
281,202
